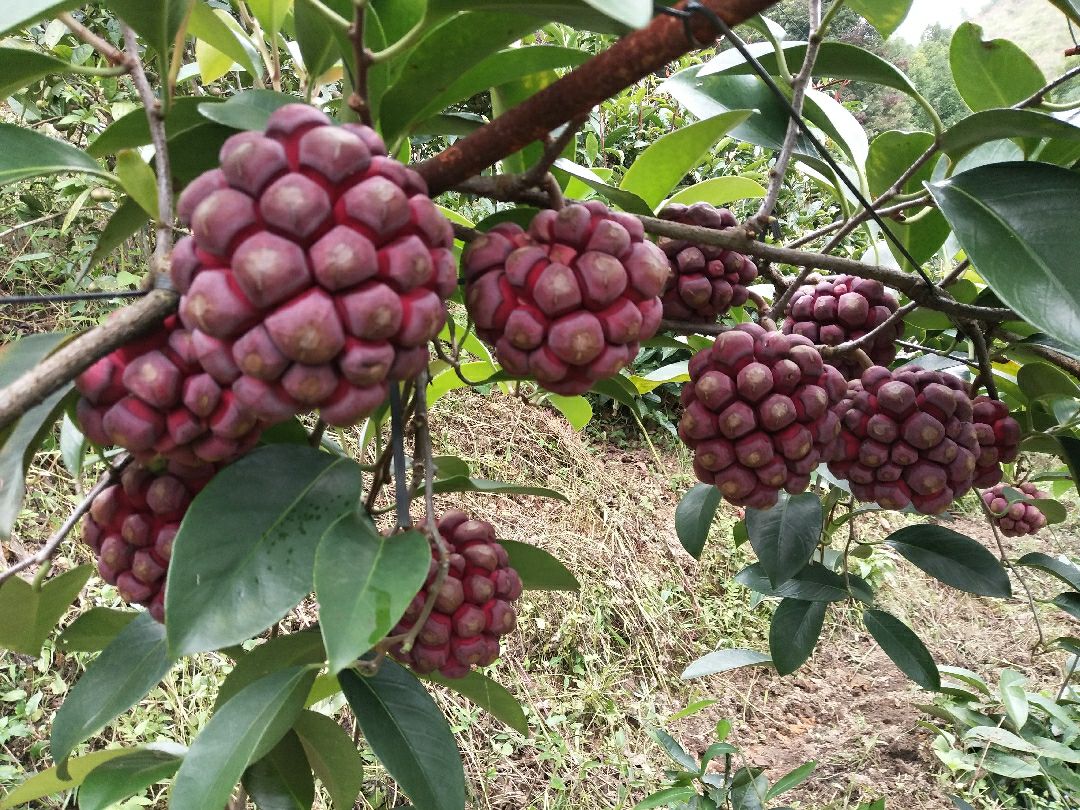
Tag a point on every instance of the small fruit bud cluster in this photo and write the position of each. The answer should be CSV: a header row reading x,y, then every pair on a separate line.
x,y
1019,518
473,607
152,398
907,437
131,526
758,414
317,270
569,301
999,439
706,280
845,308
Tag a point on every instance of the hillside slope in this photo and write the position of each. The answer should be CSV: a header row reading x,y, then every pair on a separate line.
x,y
1035,25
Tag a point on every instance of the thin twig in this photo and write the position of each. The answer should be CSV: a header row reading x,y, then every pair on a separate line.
x,y
111,53
781,303
537,174
1039,95
46,552
1008,564
358,100
982,354
693,327
163,246
871,336
60,298
1063,361
917,347
825,230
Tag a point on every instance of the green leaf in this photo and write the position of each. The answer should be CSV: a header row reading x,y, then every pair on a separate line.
x,y
904,647
245,552
409,735
210,26
891,153
1044,381
1009,218
21,66
133,130
794,632
995,735
785,536
723,661
694,516
25,12
95,629
22,439
663,165
240,732
133,664
792,779
157,23
115,780
364,582
952,558
49,781
1070,454
884,15
1070,8
248,109
332,756
814,583
282,779
994,73
1008,766
719,190
316,38
993,125
1069,602
458,484
577,410
1013,697
124,223
666,798
539,571
25,153
138,180
490,696
626,200
634,13
29,615
679,755
1066,572
282,652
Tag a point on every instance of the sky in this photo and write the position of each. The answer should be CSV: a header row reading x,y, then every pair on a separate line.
x,y
949,13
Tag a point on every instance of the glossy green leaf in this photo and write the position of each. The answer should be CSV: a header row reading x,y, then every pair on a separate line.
x,y
210,26
814,583
1004,738
49,781
124,223
694,516
577,410
538,569
157,23
25,153
409,734
1066,572
626,200
1069,602
679,755
719,190
21,66
1013,697
133,130
991,73
904,648
1007,765
271,14
282,779
952,558
115,780
240,732
1070,454
490,696
993,125
245,552
282,652
317,39
1009,218
1071,8
884,15
138,180
21,440
26,12
667,797
95,629
457,484
891,153
364,582
667,160
133,664
30,616
1044,381
785,536
791,779
332,756
248,109
793,633
723,661
634,13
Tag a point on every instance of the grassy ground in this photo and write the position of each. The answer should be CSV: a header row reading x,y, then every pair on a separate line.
x,y
597,669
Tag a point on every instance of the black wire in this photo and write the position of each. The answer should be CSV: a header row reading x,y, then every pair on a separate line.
x,y
686,15
21,300
397,437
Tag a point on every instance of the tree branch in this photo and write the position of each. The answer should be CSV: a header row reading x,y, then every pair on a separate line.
x,y
113,54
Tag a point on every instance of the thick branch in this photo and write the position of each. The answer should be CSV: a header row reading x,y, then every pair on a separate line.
x,y
73,358
629,60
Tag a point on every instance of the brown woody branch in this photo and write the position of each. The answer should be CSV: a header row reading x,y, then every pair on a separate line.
x,y
113,54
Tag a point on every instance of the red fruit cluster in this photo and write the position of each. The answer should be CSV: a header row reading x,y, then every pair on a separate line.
x,y
152,398
907,438
317,270
569,301
473,607
1019,518
706,280
845,308
999,439
131,526
758,414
